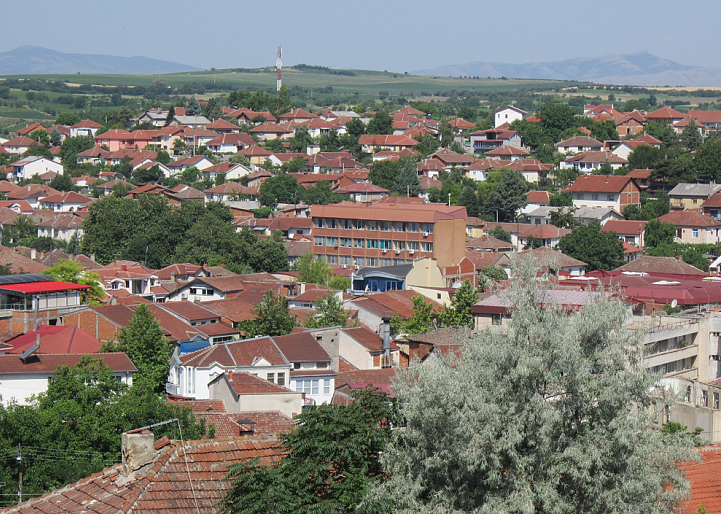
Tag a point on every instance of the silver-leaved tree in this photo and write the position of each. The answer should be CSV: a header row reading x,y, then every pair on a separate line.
x,y
552,413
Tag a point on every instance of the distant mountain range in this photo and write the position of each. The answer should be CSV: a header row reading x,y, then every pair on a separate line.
x,y
33,60
641,69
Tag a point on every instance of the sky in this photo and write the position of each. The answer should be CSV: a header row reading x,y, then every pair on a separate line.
x,y
371,34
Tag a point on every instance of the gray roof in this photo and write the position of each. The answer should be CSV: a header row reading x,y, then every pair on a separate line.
x,y
703,190
591,213
191,120
400,271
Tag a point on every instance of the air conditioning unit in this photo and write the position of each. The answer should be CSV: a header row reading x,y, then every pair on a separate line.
x,y
384,250
425,234
411,252
344,266
398,252
357,267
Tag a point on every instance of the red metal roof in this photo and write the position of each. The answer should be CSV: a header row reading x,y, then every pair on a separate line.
x,y
43,287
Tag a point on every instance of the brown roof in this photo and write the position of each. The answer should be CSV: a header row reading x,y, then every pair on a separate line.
x,y
301,347
664,113
545,256
19,263
600,183
540,197
546,232
48,362
624,227
390,302
481,260
264,422
362,378
196,475
670,265
420,213
639,173
235,310
580,141
372,341
236,353
488,242
689,219
189,310
247,383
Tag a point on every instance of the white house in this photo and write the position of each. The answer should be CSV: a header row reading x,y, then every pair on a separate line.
x,y
85,128
363,348
243,391
588,162
64,202
579,144
22,376
508,115
26,167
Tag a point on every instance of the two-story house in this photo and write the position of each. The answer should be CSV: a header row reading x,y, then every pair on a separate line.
x,y
693,227
691,196
605,191
579,144
628,231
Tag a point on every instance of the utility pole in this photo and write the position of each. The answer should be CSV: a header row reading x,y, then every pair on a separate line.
x,y
19,459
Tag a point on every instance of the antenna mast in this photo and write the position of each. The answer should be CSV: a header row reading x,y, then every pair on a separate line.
x,y
279,67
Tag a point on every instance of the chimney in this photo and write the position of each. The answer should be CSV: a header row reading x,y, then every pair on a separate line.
x,y
33,254
138,449
386,328
124,267
173,278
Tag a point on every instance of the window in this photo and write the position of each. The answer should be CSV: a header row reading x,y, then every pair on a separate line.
x,y
315,386
386,244
319,241
611,198
358,224
371,225
694,232
371,243
346,224
427,247
372,262
398,226
270,377
386,262
413,246
358,243
358,261
332,259
318,222
399,262
326,386
345,260
579,196
400,245
281,379
331,223
695,201
704,398
715,400
332,241
594,196
497,319
386,226
345,242
412,227
427,227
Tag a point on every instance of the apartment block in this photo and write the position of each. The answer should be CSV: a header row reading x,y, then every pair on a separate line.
x,y
372,235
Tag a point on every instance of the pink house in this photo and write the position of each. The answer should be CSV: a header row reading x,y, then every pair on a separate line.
x,y
114,140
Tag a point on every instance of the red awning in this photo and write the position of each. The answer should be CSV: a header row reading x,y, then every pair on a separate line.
x,y
42,287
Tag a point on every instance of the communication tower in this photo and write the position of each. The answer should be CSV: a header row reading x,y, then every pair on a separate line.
x,y
279,67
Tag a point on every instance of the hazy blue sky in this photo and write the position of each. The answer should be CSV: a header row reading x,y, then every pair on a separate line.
x,y
369,34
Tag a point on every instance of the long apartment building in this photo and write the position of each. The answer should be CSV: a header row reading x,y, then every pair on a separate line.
x,y
372,235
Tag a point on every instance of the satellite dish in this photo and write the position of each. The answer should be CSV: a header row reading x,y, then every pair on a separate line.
x,y
674,303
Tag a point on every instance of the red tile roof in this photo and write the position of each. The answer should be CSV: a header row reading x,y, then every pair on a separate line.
x,y
362,378
236,353
244,383
372,341
689,219
301,347
705,480
639,173
664,113
55,339
385,140
625,227
600,183
507,150
44,362
539,197
666,265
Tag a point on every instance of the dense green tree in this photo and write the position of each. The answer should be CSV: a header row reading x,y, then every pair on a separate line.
x,y
72,146
469,198
329,313
163,157
74,273
330,142
708,160
555,414
691,137
193,108
190,175
272,317
56,139
62,182
143,342
67,118
419,323
380,123
562,199
563,218
320,194
267,255
605,169
41,136
645,157
556,118
427,144
508,197
24,227
331,461
599,250
282,188
533,242
301,139
458,314
152,174
489,275
675,170
211,110
384,173
210,240
659,233
407,182
312,270
501,234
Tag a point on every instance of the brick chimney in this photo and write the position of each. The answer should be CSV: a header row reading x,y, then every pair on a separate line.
x,y
138,449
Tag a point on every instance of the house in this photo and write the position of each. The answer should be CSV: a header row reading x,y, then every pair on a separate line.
x,y
605,191
207,322
200,162
247,117
196,137
488,243
65,202
377,309
228,170
591,110
483,141
363,348
507,153
708,121
451,159
555,262
631,123
156,117
665,115
22,376
53,339
208,289
243,391
94,155
631,232
86,128
19,145
257,155
229,191
26,167
374,143
548,234
297,249
508,115
417,275
641,177
64,226
269,131
531,169
691,196
625,149
297,115
460,126
579,144
113,140
379,234
229,143
693,227
189,121
584,215
150,469
32,193
588,162
363,192
291,228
